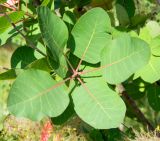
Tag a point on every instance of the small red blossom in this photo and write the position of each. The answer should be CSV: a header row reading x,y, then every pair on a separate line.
x,y
46,131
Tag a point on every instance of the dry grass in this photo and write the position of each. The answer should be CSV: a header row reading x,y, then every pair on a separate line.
x,y
146,136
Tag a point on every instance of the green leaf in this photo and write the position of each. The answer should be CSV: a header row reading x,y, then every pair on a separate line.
x,y
5,36
45,2
14,16
129,6
41,47
90,34
99,106
150,31
138,20
40,64
10,74
60,68
70,19
155,46
11,36
153,94
122,15
145,35
22,57
54,31
64,117
55,35
154,28
150,72
122,57
35,95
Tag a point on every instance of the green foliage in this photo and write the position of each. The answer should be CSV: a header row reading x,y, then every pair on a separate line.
x,y
73,60
101,104
36,94
4,23
90,34
122,57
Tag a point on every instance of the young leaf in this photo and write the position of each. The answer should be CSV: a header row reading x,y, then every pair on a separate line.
x,y
34,95
150,72
90,34
14,16
155,46
98,105
122,57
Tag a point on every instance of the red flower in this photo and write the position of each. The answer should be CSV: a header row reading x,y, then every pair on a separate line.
x,y
46,131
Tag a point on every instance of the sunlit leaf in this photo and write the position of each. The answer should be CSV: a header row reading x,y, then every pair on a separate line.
x,y
98,105
5,23
150,72
155,46
122,57
90,34
35,95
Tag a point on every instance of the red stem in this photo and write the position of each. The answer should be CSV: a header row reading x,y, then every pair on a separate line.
x,y
6,5
57,85
101,67
73,70
80,62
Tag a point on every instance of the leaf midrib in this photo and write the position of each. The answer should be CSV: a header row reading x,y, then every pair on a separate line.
x,y
95,99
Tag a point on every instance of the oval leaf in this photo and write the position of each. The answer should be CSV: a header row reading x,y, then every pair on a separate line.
x,y
98,105
123,57
34,95
54,31
90,34
55,35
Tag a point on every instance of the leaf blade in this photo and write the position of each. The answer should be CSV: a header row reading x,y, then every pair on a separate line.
x,y
123,57
90,34
96,104
32,98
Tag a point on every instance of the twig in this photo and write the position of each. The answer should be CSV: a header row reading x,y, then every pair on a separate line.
x,y
4,68
27,40
134,107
